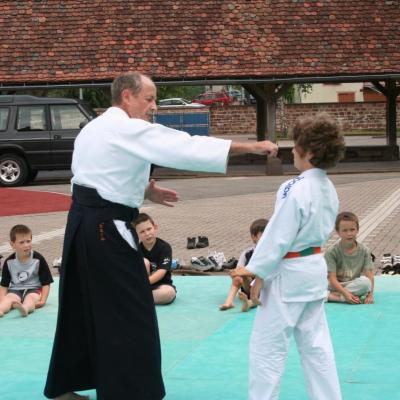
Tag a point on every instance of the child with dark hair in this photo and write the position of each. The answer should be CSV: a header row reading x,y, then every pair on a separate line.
x,y
240,284
350,266
157,255
288,258
26,278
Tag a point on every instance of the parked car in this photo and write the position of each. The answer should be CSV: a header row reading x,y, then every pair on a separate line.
x,y
37,133
178,102
211,98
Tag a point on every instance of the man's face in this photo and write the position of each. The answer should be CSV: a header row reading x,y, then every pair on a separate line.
x,y
147,233
22,245
143,104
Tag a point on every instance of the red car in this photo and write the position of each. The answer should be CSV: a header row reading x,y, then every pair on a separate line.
x,y
211,98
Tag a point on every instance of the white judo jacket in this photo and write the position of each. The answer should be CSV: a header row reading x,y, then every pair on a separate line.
x,y
304,216
113,154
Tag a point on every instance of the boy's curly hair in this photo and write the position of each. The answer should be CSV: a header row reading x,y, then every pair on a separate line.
x,y
321,136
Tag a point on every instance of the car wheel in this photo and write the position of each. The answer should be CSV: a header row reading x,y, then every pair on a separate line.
x,y
13,170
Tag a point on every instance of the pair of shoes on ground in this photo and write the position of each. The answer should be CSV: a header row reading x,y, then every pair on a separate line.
x,y
202,241
390,264
202,264
214,262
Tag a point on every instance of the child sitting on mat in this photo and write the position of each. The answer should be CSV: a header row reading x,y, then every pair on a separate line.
x,y
26,277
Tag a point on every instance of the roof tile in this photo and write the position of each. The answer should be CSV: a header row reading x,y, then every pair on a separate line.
x,y
59,40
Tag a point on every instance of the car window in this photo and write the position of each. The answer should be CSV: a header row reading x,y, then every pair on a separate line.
x,y
4,111
66,116
31,118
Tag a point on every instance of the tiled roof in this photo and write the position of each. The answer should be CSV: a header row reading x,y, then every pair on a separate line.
x,y
69,41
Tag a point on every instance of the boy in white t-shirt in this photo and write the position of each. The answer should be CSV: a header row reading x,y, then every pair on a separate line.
x,y
240,284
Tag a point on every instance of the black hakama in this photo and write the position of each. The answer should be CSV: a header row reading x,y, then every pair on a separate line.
x,y
107,334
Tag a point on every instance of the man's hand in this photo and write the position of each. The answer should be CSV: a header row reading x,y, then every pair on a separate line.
x,y
265,147
160,195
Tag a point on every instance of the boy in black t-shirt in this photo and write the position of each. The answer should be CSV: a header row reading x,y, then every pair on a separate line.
x,y
157,257
26,278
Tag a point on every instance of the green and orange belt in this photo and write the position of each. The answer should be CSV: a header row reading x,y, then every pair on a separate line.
x,y
303,253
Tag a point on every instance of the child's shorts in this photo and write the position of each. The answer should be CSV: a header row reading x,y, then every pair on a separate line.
x,y
23,292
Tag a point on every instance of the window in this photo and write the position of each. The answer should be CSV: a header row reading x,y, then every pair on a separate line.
x,y
31,118
66,116
4,118
346,97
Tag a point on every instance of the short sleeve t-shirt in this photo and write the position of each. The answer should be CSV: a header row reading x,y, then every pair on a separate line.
x,y
244,258
30,274
160,257
348,266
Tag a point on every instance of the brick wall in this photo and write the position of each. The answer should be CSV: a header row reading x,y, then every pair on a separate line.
x,y
353,116
239,120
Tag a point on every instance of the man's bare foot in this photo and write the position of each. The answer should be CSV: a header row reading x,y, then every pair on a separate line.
x,y
19,306
245,301
224,307
71,396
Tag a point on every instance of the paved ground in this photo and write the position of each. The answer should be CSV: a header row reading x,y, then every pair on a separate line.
x,y
222,209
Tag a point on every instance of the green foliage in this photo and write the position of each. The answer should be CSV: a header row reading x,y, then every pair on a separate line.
x,y
292,94
185,92
98,97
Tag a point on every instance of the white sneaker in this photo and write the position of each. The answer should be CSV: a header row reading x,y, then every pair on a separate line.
x,y
57,262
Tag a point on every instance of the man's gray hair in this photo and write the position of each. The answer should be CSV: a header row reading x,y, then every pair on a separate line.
x,y
128,80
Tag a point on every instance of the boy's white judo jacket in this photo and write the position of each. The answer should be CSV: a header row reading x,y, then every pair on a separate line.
x,y
294,288
304,216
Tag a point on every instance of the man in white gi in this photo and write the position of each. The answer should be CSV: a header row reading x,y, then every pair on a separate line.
x,y
288,258
107,334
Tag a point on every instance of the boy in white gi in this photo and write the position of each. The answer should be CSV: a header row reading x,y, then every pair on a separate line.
x,y
288,258
350,267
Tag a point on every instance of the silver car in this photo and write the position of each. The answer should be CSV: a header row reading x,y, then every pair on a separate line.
x,y
178,102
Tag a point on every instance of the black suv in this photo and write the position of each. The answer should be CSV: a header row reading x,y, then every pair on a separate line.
x,y
37,133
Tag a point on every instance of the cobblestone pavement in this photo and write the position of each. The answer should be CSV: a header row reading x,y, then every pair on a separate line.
x,y
223,208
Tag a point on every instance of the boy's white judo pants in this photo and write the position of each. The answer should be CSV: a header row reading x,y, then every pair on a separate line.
x,y
274,324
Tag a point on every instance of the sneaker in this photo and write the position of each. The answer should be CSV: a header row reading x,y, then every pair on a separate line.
x,y
202,242
57,262
386,263
191,243
201,264
230,264
216,266
396,261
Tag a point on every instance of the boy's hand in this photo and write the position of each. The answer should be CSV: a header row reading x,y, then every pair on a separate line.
x,y
240,271
351,298
255,291
40,304
369,299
